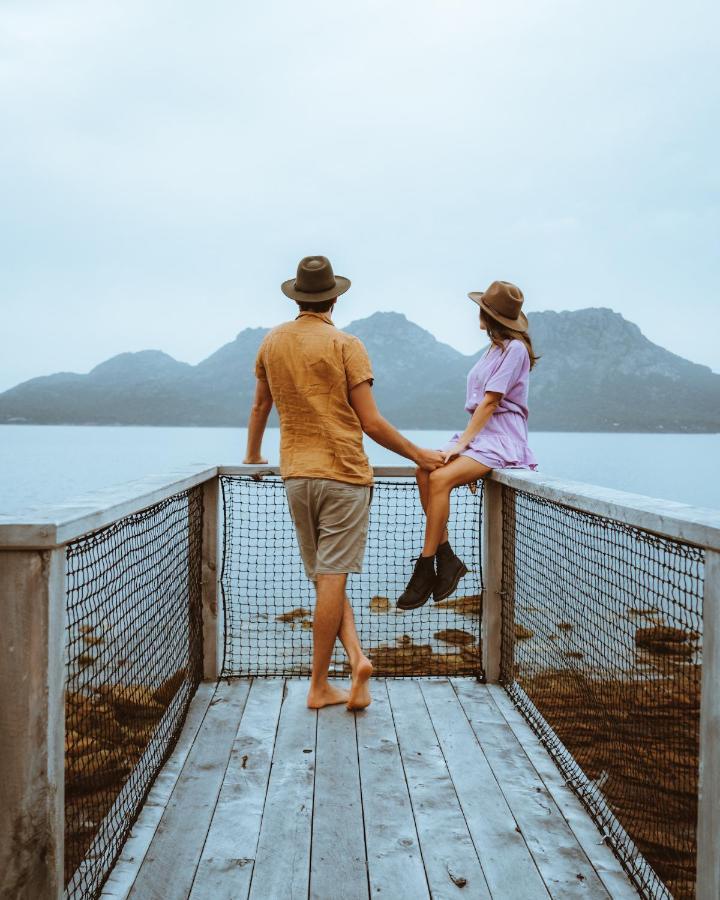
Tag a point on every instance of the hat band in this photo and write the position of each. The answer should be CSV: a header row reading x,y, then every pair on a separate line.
x,y
315,290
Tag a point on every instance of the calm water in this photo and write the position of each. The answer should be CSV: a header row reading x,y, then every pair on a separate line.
x,y
42,465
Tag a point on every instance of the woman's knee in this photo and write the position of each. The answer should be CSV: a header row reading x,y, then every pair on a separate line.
x,y
438,480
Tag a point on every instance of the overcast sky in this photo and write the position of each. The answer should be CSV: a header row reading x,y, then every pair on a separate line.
x,y
164,165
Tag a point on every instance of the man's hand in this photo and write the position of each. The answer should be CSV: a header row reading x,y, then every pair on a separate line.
x,y
429,460
254,461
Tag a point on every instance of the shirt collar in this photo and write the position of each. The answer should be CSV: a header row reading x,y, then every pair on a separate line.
x,y
317,315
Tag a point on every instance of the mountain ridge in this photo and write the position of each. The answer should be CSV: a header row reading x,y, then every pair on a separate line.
x,y
597,372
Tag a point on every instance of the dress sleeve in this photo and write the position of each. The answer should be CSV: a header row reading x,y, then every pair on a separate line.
x,y
514,359
357,364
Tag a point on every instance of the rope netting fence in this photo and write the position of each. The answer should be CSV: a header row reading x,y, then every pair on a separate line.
x,y
268,600
602,647
134,658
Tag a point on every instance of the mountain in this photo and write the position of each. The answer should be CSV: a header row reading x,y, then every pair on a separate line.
x,y
598,372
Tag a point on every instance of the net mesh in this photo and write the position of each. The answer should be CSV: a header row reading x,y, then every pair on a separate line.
x,y
268,600
602,644
134,658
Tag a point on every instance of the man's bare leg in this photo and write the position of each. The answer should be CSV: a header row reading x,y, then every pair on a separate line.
x,y
359,663
329,614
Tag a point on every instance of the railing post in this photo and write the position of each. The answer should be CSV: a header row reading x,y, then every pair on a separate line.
x,y
708,860
492,577
32,723
211,562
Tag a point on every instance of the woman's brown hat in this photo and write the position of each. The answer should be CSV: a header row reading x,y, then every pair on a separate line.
x,y
315,281
503,302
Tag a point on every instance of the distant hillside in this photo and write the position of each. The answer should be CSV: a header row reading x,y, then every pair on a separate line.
x,y
597,373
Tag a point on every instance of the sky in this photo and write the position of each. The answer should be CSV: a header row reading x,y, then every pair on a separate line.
x,y
164,166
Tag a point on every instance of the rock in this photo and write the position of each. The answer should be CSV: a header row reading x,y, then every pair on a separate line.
x,y
664,634
294,615
522,633
464,606
133,700
169,687
380,605
91,716
95,769
455,636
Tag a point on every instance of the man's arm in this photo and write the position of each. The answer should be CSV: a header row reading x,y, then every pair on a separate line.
x,y
262,404
383,433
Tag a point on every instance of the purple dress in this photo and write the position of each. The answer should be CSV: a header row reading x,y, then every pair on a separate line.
x,y
503,442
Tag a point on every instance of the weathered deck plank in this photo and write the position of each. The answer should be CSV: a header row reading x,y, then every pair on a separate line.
x,y
338,849
282,862
395,865
123,875
600,855
451,863
168,870
227,860
438,789
565,868
506,861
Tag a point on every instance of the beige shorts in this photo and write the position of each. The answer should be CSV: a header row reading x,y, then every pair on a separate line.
x,y
331,522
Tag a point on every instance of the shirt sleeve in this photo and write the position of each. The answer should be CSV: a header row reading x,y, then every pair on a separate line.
x,y
260,372
508,372
357,364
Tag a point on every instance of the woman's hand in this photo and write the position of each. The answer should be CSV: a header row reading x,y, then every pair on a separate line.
x,y
455,451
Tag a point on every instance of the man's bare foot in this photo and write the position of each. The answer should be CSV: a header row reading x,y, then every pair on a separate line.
x,y
360,689
325,696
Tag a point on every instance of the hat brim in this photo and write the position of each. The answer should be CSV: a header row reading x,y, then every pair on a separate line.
x,y
519,324
341,285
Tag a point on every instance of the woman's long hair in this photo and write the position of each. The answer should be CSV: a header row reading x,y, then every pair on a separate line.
x,y
499,333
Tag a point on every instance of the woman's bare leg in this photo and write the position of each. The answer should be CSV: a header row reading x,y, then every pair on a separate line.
x,y
462,470
423,480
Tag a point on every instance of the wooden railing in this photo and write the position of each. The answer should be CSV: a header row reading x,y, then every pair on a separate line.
x,y
32,665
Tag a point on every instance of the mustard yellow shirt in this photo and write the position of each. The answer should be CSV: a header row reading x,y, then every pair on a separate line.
x,y
311,367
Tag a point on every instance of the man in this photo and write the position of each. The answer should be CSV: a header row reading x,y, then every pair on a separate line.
x,y
320,379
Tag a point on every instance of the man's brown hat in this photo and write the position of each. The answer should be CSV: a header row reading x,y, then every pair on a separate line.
x,y
315,281
503,302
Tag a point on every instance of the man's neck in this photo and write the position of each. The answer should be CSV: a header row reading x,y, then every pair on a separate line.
x,y
325,316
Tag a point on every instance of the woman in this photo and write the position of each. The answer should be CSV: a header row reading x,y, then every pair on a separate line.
x,y
495,438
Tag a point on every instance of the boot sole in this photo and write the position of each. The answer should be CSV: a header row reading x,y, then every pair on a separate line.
x,y
416,605
453,587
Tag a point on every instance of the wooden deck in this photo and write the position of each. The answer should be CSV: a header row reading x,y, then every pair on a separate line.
x,y
439,790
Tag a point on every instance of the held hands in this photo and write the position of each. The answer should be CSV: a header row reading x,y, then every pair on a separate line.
x,y
447,455
429,460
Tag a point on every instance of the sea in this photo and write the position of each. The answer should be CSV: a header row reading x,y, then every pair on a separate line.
x,y
45,465
267,598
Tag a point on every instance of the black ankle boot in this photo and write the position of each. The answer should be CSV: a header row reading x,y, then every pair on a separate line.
x,y
450,569
421,584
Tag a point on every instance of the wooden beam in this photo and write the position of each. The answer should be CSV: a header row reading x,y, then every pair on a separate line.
x,y
602,858
282,861
168,870
451,861
395,866
32,723
678,521
492,554
66,522
211,565
708,859
338,849
227,860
